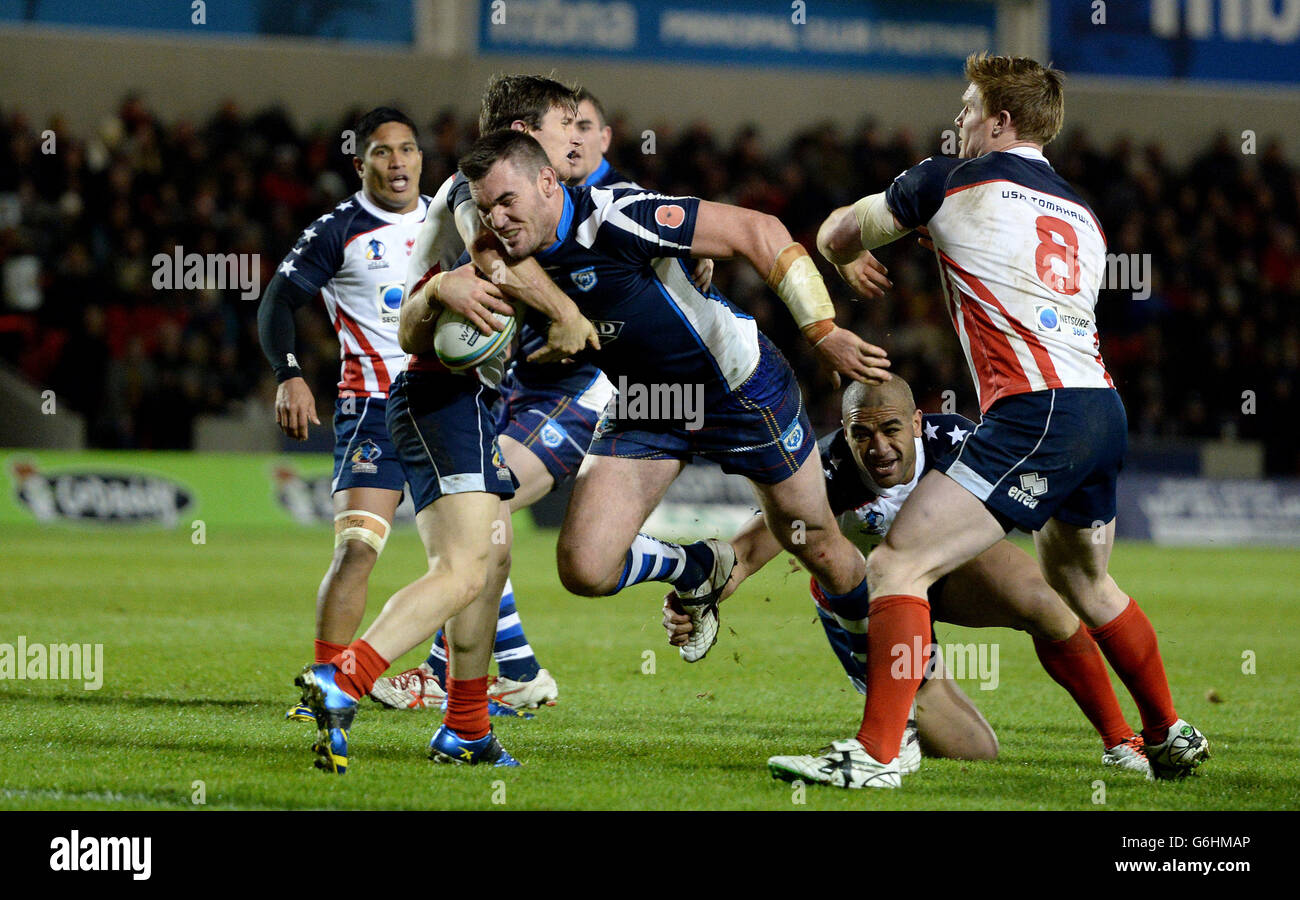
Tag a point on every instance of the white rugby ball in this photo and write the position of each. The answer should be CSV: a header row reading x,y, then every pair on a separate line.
x,y
461,345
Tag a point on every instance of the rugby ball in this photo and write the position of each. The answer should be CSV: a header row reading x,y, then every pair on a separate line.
x,y
460,345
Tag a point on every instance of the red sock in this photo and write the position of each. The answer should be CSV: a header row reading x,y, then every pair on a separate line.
x,y
327,650
1129,644
467,707
1076,665
359,667
897,620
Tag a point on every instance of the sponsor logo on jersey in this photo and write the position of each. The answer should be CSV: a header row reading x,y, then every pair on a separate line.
x,y
111,498
607,330
1047,318
390,301
1031,487
585,279
363,458
793,436
670,216
552,435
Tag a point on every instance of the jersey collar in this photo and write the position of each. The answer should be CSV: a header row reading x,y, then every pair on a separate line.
x,y
563,228
414,217
1030,153
599,173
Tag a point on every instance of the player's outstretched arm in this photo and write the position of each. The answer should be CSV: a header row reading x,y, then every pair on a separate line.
x,y
840,241
723,231
526,281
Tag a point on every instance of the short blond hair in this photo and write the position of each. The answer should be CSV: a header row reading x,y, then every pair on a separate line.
x,y
1032,93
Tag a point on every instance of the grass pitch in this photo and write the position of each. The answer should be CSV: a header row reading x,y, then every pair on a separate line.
x,y
201,644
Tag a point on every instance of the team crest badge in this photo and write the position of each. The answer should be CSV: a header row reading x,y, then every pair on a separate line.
x,y
585,279
375,249
364,457
552,435
793,437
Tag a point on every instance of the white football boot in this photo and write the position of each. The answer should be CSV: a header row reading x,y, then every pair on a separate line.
x,y
701,604
1183,749
416,688
541,691
1128,754
843,764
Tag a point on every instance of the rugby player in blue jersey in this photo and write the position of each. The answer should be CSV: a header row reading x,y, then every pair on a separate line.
x,y
620,255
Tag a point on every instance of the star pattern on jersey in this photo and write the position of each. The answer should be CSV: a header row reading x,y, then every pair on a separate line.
x,y
931,431
346,204
308,235
326,217
957,434
287,267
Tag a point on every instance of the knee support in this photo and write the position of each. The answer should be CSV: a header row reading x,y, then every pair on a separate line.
x,y
361,525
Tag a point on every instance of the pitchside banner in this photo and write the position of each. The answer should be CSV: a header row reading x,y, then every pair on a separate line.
x,y
1172,510
1224,40
885,35
167,490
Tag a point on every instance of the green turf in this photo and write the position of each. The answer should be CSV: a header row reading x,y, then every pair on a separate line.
x,y
201,644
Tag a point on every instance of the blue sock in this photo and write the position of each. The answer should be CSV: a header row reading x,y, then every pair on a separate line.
x,y
846,646
515,658
650,559
437,659
844,618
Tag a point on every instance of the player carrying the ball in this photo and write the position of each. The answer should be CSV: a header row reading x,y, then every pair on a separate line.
x,y
620,254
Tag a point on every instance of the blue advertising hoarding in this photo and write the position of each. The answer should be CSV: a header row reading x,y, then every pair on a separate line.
x,y
342,20
1218,40
884,35
1223,512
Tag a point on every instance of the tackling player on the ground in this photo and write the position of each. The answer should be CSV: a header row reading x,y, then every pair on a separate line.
x,y
1021,259
871,466
620,255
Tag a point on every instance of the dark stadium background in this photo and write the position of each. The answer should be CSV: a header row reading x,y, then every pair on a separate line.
x,y
224,137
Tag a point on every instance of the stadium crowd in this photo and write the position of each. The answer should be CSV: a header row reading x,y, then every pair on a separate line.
x,y
1213,351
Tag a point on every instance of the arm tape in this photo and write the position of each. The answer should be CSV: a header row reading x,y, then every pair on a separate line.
x,y
876,223
797,282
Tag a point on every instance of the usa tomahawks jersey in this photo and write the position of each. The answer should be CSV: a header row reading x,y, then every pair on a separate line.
x,y
1021,258
620,255
356,256
865,511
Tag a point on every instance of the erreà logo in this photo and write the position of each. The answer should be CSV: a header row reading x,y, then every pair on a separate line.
x,y
112,498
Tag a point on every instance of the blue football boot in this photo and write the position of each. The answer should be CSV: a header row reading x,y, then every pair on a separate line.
x,y
447,746
333,709
300,713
